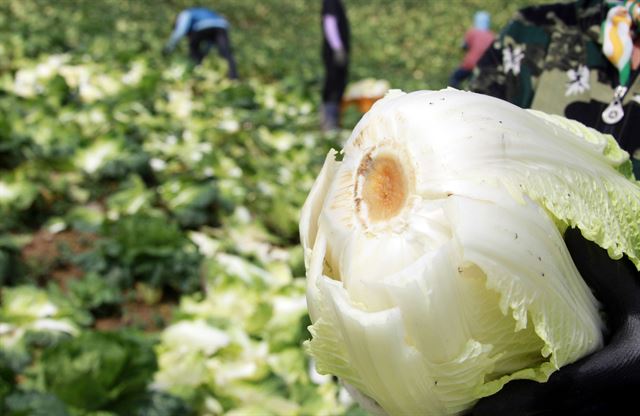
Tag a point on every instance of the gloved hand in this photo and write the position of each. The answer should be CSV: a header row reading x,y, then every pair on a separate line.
x,y
340,57
603,383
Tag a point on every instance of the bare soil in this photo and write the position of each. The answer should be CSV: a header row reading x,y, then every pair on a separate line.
x,y
46,257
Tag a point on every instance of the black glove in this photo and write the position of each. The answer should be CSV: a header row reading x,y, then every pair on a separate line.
x,y
340,57
603,383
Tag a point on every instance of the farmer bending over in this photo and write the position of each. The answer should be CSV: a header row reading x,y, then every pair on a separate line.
x,y
204,29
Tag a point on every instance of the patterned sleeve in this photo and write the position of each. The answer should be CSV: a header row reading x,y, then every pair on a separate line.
x,y
510,68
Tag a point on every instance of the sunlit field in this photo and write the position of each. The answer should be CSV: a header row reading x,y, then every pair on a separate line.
x,y
149,250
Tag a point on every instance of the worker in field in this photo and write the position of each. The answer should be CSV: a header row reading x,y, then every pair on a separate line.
x,y
204,28
335,56
476,41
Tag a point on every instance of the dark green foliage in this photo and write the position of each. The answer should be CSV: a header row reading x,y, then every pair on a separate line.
x,y
155,404
96,370
11,268
7,377
96,294
142,248
33,403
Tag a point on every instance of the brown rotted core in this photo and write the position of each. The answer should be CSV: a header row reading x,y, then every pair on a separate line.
x,y
385,187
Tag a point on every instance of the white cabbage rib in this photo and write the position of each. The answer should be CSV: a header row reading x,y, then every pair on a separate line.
x,y
461,281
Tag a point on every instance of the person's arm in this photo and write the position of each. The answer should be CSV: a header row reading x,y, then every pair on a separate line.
x,y
488,77
465,41
331,32
181,29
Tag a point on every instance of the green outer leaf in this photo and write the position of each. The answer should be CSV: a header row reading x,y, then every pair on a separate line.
x,y
610,148
606,209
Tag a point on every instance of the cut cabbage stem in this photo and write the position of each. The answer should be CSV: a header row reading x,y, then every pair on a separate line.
x,y
384,187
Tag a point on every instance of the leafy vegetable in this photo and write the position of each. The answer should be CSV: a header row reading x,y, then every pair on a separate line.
x,y
239,346
110,159
435,261
33,403
96,370
193,204
145,248
7,376
10,265
95,294
27,308
158,404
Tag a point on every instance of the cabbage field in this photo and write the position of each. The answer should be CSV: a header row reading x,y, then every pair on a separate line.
x,y
149,252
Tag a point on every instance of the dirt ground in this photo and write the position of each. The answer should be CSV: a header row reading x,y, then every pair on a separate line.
x,y
46,256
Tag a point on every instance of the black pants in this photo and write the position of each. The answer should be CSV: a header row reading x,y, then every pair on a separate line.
x,y
201,41
335,80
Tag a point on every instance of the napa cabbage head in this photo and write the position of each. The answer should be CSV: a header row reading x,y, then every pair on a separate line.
x,y
436,266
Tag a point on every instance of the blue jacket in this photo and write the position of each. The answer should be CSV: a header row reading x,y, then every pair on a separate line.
x,y
193,20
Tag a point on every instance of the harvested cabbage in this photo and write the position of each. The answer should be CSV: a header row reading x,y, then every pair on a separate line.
x,y
436,267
